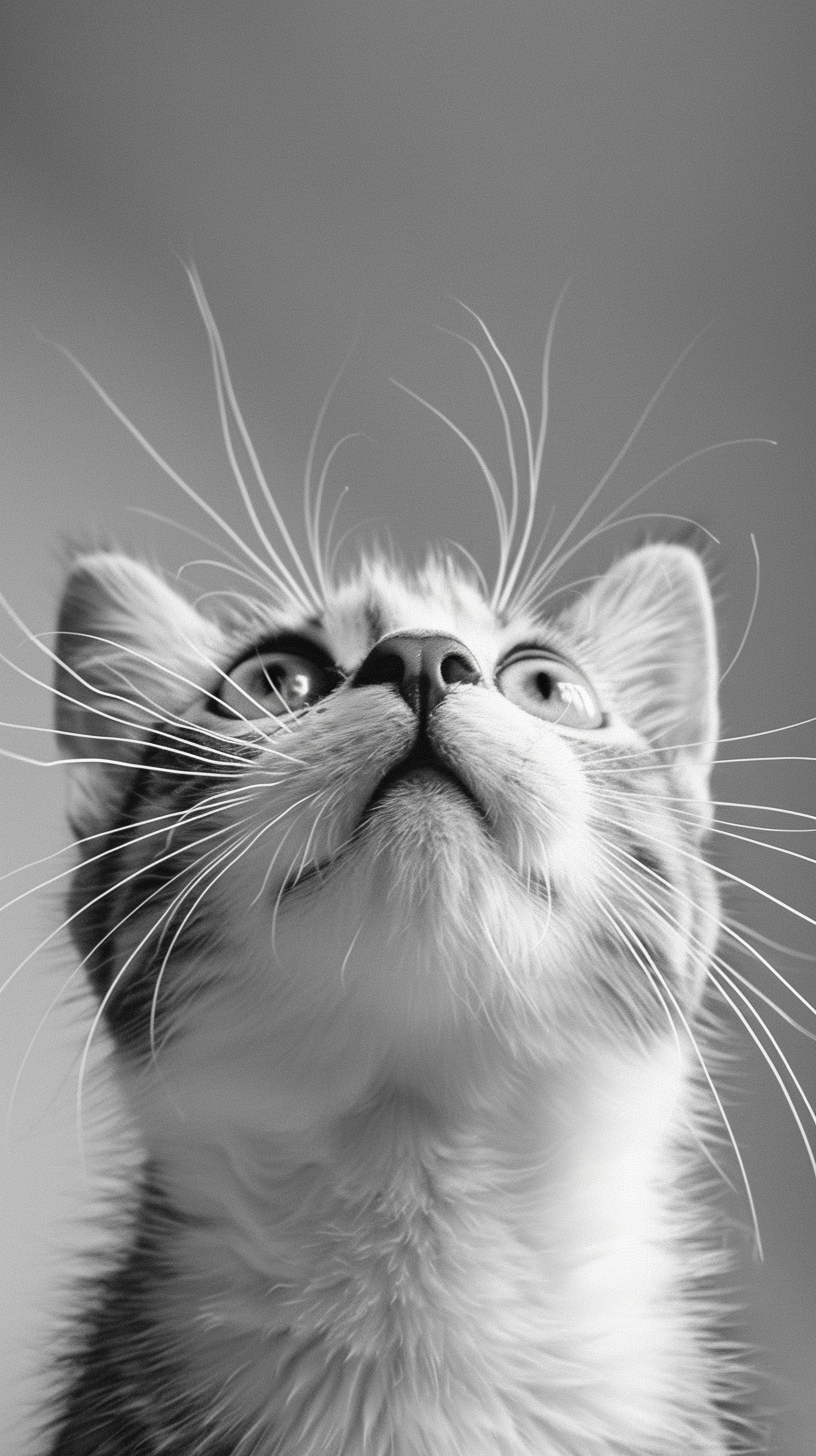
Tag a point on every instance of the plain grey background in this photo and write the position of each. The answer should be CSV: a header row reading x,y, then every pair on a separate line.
x,y
335,167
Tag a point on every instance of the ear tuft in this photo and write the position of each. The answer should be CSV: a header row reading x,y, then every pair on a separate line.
x,y
650,622
130,650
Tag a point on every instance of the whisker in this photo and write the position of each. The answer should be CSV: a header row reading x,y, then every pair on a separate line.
x,y
111,990
624,450
548,569
227,853
717,971
530,592
751,614
472,562
328,551
138,703
508,526
487,474
226,560
718,921
97,711
85,959
655,971
88,904
730,875
774,1005
202,811
511,379
299,803
718,975
320,553
143,700
505,595
787,950
312,514
76,971
168,470
225,397
717,828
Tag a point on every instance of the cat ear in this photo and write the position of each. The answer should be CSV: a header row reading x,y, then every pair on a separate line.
x,y
650,621
130,650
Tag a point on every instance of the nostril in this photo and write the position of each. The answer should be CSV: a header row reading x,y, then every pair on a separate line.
x,y
420,666
391,668
382,669
457,669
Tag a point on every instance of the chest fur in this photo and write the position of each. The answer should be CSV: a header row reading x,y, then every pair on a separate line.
x,y
406,1292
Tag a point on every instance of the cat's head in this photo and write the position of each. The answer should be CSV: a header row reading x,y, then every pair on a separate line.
x,y
369,831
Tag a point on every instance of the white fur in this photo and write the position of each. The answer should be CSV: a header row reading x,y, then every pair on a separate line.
x,y
433,1175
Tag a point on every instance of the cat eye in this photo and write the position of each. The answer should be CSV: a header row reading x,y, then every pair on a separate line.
x,y
272,683
552,689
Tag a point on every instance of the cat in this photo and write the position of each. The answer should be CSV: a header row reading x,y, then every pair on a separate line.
x,y
392,891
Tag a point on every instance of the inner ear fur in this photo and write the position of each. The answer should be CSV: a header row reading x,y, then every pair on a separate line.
x,y
130,650
650,621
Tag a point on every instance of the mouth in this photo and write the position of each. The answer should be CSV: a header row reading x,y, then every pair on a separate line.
x,y
422,760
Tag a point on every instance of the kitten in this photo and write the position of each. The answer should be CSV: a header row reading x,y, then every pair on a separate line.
x,y
392,894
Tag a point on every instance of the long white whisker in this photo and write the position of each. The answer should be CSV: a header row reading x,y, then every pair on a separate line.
x,y
139,703
109,890
100,712
625,447
718,975
787,950
311,514
321,553
614,518
171,819
226,560
165,717
77,969
535,459
309,597
611,912
511,379
533,585
769,1001
111,990
751,615
487,474
722,924
230,853
508,525
168,470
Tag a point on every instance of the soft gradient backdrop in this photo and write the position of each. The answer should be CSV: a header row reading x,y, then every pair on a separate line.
x,y
345,166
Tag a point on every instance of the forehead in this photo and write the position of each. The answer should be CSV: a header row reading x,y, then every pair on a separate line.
x,y
381,600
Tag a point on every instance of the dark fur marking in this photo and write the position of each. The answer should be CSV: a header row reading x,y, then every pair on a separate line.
x,y
129,1397
651,862
375,622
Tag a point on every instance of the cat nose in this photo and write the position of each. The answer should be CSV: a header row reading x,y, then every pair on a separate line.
x,y
421,666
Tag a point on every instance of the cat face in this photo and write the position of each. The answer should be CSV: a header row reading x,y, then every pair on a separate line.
x,y
402,825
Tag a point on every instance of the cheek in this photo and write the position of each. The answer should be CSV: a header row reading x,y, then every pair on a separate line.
x,y
303,798
529,779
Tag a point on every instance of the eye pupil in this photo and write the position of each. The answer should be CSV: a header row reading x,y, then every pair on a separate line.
x,y
551,688
272,682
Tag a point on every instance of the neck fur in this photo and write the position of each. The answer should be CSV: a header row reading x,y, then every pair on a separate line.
x,y
507,1272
